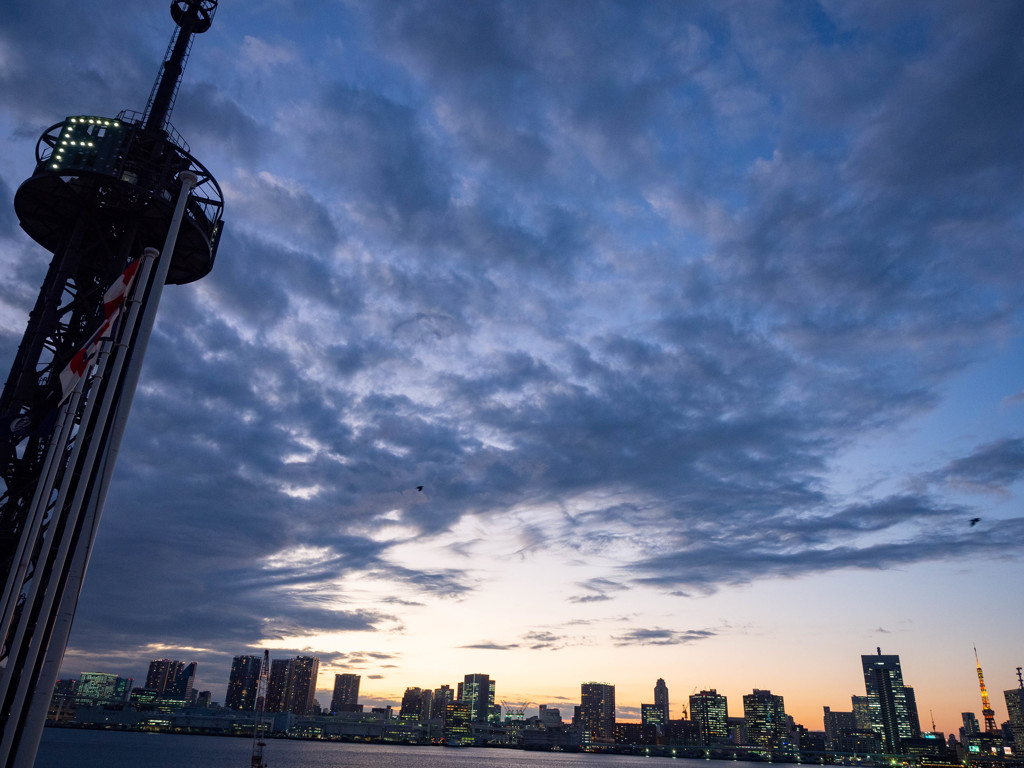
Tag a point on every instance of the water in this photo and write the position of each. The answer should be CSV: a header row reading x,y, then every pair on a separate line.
x,y
65,748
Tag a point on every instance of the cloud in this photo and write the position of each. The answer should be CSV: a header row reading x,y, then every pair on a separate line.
x,y
656,636
646,271
990,468
491,646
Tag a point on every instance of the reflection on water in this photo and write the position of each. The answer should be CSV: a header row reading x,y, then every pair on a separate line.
x,y
65,748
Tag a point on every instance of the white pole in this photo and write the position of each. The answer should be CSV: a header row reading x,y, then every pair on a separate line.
x,y
37,510
54,653
49,587
131,377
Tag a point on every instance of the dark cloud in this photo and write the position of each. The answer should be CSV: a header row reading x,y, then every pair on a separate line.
x,y
808,548
656,636
990,468
650,269
489,646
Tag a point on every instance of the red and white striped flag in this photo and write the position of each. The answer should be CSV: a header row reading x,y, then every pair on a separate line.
x,y
113,300
84,357
115,295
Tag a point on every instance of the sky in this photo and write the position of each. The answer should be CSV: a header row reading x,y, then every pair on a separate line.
x,y
700,324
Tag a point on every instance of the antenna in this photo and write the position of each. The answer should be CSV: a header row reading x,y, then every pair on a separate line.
x,y
193,17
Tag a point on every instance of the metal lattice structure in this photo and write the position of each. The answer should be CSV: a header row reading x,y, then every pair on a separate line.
x,y
106,192
986,705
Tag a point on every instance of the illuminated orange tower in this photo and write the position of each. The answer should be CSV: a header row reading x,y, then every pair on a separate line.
x,y
986,705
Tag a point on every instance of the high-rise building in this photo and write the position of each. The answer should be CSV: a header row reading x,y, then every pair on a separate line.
x,y
710,710
764,715
162,671
427,709
346,693
442,697
1015,709
861,708
456,728
661,699
412,704
277,685
971,726
887,700
549,716
597,711
98,688
302,674
243,683
653,714
837,724
915,720
291,685
181,686
478,695
171,679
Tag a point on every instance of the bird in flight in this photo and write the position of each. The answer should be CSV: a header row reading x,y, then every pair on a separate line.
x,y
975,521
420,488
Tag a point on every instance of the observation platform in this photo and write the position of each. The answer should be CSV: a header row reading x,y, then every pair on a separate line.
x,y
126,177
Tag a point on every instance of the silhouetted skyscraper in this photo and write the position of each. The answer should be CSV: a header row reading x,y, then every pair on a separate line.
x,y
442,697
710,710
277,685
971,726
861,708
836,725
412,703
661,699
887,699
1015,709
302,674
243,683
764,715
653,714
346,693
478,696
101,688
171,679
161,673
597,711
915,720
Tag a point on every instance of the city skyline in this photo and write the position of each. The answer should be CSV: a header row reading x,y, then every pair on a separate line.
x,y
681,341
885,699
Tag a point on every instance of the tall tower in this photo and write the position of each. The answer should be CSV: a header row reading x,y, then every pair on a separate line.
x,y
710,710
124,208
243,683
597,710
986,706
478,695
1015,708
887,700
765,717
302,675
661,699
346,693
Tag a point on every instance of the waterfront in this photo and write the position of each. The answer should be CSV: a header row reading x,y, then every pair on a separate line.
x,y
71,748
